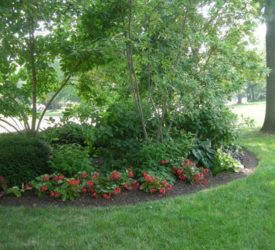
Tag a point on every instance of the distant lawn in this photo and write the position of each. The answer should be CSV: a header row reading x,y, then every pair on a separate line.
x,y
254,110
239,215
54,113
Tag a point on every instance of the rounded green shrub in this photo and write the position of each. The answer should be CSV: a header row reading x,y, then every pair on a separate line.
x,y
68,133
215,123
22,158
152,152
70,159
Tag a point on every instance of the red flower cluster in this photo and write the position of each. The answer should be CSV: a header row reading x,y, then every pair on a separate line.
x,y
147,177
84,175
90,183
153,184
107,196
44,188
115,175
58,186
94,195
117,190
73,182
179,173
135,185
59,177
167,185
188,163
95,175
164,162
46,178
131,173
190,172
55,194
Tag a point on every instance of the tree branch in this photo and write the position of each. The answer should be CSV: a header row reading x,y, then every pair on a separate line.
x,y
64,83
10,124
5,128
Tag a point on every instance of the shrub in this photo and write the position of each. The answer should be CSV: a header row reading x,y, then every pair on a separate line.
x,y
70,159
210,122
22,158
224,161
68,133
155,153
119,133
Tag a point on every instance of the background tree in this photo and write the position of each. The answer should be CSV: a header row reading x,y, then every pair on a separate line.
x,y
177,58
27,70
269,122
40,55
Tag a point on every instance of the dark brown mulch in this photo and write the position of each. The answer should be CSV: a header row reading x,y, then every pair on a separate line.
x,y
133,197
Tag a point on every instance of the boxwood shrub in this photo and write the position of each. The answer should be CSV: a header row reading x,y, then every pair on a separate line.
x,y
22,158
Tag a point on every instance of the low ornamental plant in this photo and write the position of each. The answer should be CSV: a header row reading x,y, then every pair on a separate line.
x,y
189,172
59,186
107,186
153,184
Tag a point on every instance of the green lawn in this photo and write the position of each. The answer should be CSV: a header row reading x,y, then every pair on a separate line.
x,y
239,215
254,110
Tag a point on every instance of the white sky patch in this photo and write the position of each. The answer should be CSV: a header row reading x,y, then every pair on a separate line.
x,y
259,34
42,31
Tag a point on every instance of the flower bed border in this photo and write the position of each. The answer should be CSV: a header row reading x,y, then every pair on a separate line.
x,y
29,199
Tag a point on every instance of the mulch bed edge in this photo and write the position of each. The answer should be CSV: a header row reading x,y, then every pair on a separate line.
x,y
29,199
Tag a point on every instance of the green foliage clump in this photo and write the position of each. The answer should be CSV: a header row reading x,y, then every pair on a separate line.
x,y
70,159
118,134
154,153
212,122
203,153
68,133
224,161
22,158
15,191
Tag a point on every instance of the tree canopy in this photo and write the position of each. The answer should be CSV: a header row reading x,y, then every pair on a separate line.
x,y
173,57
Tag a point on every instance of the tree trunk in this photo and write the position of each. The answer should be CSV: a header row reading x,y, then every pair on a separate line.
x,y
33,73
253,98
239,99
132,74
269,122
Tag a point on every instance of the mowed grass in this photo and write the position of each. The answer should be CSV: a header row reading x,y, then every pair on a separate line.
x,y
254,110
239,215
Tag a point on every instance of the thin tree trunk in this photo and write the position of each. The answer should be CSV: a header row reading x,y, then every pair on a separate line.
x,y
132,74
269,122
32,51
253,99
239,99
64,83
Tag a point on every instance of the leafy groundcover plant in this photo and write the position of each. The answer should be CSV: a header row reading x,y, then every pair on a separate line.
x,y
59,186
107,186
